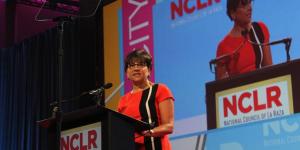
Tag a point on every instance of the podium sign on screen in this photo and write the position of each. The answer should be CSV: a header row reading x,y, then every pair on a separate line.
x,y
86,137
263,94
257,101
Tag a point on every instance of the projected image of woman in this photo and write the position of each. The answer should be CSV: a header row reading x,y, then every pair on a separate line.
x,y
149,102
240,45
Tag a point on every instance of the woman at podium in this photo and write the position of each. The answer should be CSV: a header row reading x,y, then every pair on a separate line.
x,y
149,102
243,49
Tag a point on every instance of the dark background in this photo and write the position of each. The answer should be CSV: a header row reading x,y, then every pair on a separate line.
x,y
29,68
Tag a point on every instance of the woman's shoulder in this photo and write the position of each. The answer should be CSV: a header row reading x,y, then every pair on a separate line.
x,y
163,92
264,29
226,44
161,85
262,25
225,40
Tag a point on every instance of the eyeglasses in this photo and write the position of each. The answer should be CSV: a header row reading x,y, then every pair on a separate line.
x,y
138,65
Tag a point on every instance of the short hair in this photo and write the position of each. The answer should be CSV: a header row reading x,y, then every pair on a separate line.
x,y
139,55
232,6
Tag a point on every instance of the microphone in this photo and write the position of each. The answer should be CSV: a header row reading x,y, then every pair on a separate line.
x,y
286,41
97,91
220,58
101,89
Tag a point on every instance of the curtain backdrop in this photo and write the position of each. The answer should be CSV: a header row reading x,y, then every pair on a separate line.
x,y
28,84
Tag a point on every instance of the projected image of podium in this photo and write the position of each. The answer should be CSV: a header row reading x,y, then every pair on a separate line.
x,y
263,94
96,128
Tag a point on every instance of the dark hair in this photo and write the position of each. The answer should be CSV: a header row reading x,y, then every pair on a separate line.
x,y
232,6
138,55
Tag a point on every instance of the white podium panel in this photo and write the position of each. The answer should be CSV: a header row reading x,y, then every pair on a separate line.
x,y
86,137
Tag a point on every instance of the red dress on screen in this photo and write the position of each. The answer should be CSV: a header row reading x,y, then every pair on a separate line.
x,y
244,59
134,105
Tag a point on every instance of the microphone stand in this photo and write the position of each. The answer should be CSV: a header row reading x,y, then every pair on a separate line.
x,y
287,49
287,42
99,100
57,111
98,92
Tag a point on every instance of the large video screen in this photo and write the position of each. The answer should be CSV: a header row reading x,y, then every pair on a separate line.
x,y
182,37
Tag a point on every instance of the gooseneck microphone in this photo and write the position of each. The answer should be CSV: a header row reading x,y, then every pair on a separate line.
x,y
101,89
96,92
220,58
286,41
99,92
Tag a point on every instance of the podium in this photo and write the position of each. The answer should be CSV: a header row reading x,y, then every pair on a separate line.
x,y
266,93
117,130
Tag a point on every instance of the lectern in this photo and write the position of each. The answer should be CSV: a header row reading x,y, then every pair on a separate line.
x,y
266,93
94,127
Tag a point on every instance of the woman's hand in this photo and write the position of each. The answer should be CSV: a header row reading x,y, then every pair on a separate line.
x,y
148,132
